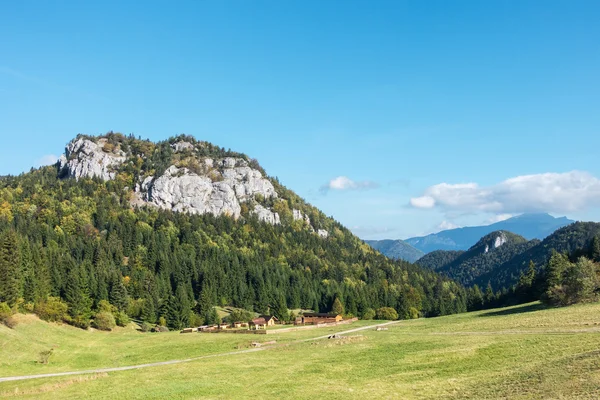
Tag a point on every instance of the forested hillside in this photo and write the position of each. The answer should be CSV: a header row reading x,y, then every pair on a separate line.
x,y
574,240
396,249
487,254
439,258
77,242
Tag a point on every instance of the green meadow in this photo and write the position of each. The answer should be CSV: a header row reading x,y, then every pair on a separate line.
x,y
522,352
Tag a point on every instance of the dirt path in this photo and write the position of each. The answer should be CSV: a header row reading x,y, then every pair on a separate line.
x,y
158,364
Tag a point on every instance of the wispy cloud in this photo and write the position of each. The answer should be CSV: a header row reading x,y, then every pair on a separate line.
x,y
342,183
550,192
48,159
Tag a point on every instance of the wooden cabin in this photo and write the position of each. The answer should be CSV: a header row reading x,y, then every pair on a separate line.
x,y
318,318
270,319
258,323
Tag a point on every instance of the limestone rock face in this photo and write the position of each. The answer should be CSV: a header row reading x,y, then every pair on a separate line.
x,y
86,159
214,185
323,233
182,190
266,215
181,146
247,182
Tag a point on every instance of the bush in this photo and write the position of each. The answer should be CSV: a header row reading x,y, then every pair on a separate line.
x,y
5,312
52,309
121,318
105,306
162,321
145,327
369,313
78,322
196,320
104,321
413,313
44,356
387,313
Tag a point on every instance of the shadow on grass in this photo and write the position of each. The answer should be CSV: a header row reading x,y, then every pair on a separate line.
x,y
515,310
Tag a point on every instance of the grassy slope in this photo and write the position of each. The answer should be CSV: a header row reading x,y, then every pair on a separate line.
x,y
520,352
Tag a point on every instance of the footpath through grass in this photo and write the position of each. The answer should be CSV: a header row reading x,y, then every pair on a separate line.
x,y
523,352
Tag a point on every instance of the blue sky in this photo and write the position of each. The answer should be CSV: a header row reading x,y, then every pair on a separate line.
x,y
396,118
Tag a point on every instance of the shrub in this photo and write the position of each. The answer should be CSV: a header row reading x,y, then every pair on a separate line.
x,y
387,313
11,322
162,321
196,320
28,307
145,327
52,309
79,321
413,313
5,312
369,313
121,319
44,356
104,321
105,306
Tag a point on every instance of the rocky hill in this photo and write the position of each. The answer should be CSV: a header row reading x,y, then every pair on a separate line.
x,y
168,230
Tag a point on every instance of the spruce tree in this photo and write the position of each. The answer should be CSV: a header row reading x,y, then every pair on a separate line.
x,y
118,293
76,294
338,307
148,310
10,269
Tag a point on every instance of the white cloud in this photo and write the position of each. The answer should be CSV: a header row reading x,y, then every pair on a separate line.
x,y
499,218
345,183
422,202
445,225
48,159
550,192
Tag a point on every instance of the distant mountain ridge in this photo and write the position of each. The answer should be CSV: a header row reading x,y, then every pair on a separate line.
x,y
488,253
500,257
530,226
396,249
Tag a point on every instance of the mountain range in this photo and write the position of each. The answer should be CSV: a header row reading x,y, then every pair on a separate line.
x,y
396,249
501,256
530,226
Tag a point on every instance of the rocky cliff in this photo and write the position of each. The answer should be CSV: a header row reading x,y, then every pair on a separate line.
x,y
196,178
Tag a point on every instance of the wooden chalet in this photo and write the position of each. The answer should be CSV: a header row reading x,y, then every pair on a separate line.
x,y
318,318
270,319
258,323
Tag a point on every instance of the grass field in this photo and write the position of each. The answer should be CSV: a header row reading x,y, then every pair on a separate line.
x,y
523,352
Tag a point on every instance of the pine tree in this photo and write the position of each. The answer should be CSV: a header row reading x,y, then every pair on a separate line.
x,y
10,273
596,249
118,293
179,309
338,307
212,317
76,294
148,310
489,294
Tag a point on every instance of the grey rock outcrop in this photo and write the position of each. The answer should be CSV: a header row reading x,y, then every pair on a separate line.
x,y
266,215
217,186
323,233
298,216
182,146
84,158
182,190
